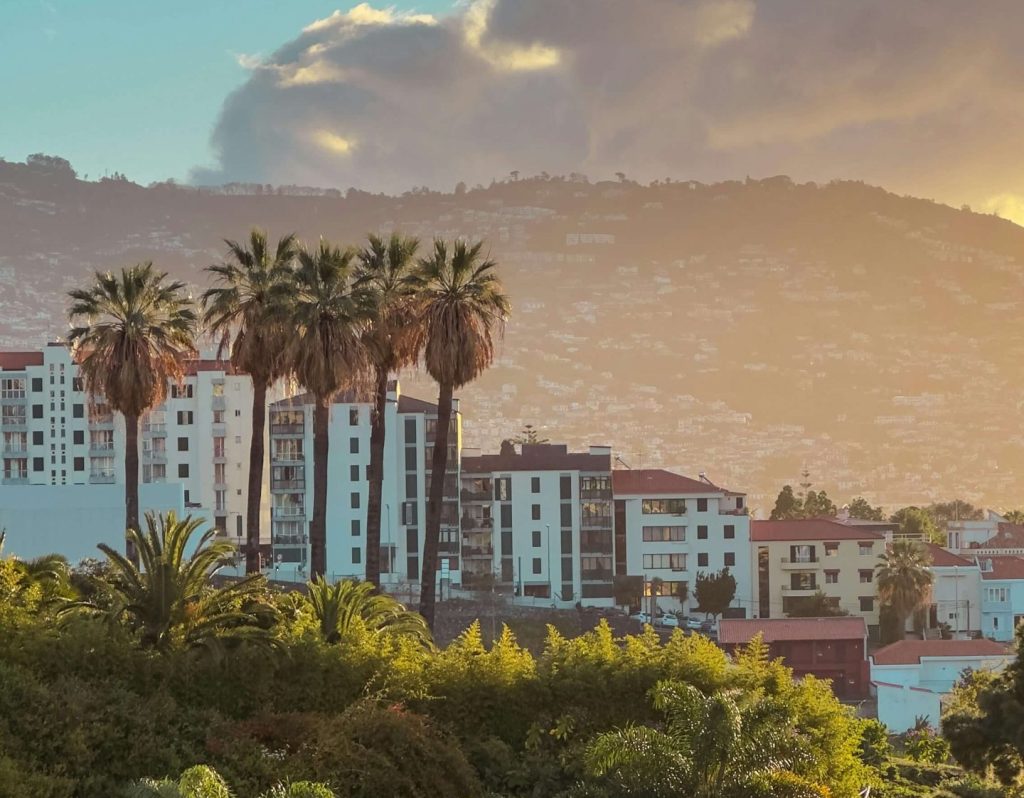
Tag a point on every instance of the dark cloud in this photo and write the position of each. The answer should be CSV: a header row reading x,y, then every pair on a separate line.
x,y
920,95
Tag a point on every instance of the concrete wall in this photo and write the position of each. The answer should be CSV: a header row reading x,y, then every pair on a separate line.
x,y
899,706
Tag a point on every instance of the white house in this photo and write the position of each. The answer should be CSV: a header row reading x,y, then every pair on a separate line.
x,y
956,591
1002,595
912,677
674,527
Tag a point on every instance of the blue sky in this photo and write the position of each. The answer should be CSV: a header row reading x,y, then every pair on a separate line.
x,y
135,85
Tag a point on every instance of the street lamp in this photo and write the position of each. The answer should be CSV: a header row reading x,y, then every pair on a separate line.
x,y
956,596
551,580
387,509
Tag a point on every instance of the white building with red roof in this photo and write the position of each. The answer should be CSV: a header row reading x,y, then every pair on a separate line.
x,y
956,591
912,677
672,527
1002,595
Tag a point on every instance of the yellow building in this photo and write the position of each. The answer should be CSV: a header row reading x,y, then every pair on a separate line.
x,y
794,560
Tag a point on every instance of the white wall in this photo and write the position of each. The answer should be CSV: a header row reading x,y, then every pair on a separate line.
x,y
956,593
899,707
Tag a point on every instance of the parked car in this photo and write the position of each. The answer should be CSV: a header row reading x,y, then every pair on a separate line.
x,y
668,620
694,624
641,617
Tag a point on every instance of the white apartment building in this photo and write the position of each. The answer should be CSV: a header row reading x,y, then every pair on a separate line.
x,y
410,426
672,527
54,434
540,521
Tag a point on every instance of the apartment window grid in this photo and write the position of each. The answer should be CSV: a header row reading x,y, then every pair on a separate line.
x,y
660,534
663,506
12,388
674,562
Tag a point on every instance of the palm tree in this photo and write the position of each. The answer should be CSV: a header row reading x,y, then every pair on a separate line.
x,y
1014,516
341,607
326,354
169,601
711,746
238,309
904,578
463,307
133,333
386,279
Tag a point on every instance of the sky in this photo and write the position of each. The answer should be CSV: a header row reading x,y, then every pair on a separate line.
x,y
919,96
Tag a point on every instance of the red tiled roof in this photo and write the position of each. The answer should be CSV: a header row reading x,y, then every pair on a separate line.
x,y
538,457
738,631
18,361
1005,567
909,652
809,529
657,481
945,559
1009,536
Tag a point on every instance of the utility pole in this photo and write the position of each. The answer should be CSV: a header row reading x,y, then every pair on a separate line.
x,y
551,575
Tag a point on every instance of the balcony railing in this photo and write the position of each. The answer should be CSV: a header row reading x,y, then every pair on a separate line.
x,y
477,524
15,451
287,429
478,551
603,547
596,493
102,446
288,484
596,522
468,495
800,588
289,540
13,421
448,546
154,429
597,575
288,457
218,403
101,477
289,512
16,479
101,421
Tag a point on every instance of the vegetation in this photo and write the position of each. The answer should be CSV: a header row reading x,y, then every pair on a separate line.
x,y
132,332
343,607
240,310
463,308
715,591
918,524
819,605
904,580
862,510
812,504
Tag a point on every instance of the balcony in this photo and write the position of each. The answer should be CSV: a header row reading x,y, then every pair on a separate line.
x,y
101,478
805,590
101,421
219,403
478,551
596,493
477,524
288,484
287,429
289,512
597,575
287,458
103,447
154,429
602,547
801,564
289,540
16,480
448,547
468,495
15,423
16,451
152,455
598,522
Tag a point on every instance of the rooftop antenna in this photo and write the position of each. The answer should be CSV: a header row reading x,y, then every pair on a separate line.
x,y
623,463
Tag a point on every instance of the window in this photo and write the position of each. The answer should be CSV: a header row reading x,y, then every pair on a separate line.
x,y
663,506
596,567
410,430
865,575
16,442
867,603
730,558
739,502
536,538
218,418
506,516
355,500
657,534
77,438
357,555
536,565
996,594
182,470
702,505
181,391
16,469
184,417
503,489
353,445
356,531
412,540
217,389
353,473
76,384
182,444
14,388
12,415
864,548
831,549
729,531
101,467
676,562
289,449
37,464
79,464
218,447
219,475
534,484
353,416
702,533
412,567
702,560
802,581
410,511
802,553
37,383
565,487
831,577
37,411
535,512
220,501
566,515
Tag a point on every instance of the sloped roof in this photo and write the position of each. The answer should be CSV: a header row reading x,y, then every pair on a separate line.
x,y
1008,536
658,481
945,559
909,652
738,631
19,361
1004,567
809,529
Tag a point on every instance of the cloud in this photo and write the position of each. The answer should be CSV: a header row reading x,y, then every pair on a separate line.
x,y
920,96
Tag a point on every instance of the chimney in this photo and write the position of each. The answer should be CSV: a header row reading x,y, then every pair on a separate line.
x,y
605,451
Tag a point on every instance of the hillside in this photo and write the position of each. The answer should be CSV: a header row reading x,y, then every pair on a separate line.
x,y
744,329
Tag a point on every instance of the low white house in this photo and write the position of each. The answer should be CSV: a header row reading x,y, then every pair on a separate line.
x,y
912,677
956,591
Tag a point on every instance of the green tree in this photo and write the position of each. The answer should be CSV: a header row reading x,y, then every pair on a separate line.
x,y
983,720
904,579
326,354
344,606
860,509
711,746
1014,516
787,505
464,307
875,748
819,605
169,601
628,590
130,337
529,435
918,524
715,591
818,505
956,510
385,278
239,310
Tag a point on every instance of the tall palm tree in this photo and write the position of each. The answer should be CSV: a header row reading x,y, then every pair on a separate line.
x,y
133,331
386,279
904,578
463,308
326,354
169,601
340,607
238,309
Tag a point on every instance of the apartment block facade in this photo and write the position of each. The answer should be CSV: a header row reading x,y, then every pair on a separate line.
x,y
795,559
671,527
411,427
539,520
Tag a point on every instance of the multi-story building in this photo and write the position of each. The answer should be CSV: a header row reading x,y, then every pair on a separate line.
x,y
410,428
540,521
1002,596
671,527
55,434
795,559
955,593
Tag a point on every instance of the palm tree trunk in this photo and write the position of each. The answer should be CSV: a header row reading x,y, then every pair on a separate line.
x,y
318,526
435,497
378,434
255,496
131,483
